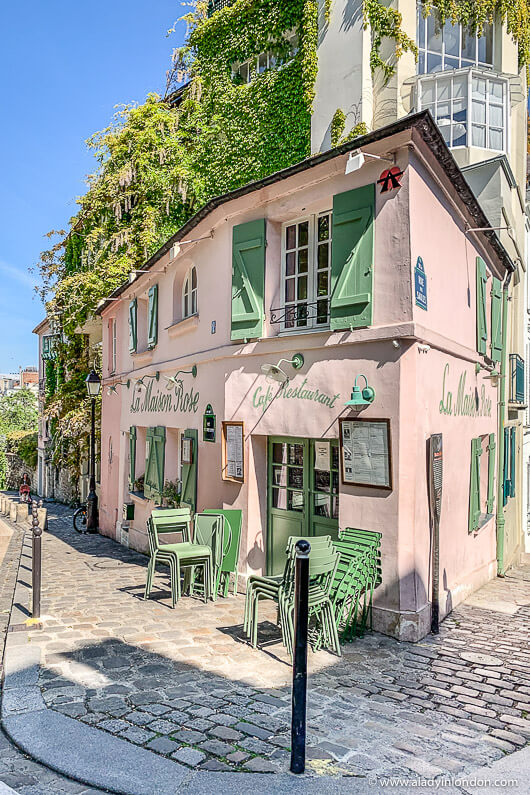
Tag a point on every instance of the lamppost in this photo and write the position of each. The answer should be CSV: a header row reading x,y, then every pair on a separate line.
x,y
93,387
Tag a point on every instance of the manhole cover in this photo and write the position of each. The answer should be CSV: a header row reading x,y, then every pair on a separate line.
x,y
480,659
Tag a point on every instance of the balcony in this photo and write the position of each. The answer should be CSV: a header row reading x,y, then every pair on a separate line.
x,y
217,5
517,391
470,106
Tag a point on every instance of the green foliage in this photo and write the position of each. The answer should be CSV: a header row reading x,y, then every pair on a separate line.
x,y
338,123
51,379
18,411
355,132
23,444
171,493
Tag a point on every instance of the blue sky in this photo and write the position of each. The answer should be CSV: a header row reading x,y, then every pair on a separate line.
x,y
63,68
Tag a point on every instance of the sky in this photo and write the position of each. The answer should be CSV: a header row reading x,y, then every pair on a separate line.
x,y
63,68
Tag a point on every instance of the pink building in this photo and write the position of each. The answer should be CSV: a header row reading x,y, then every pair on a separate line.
x,y
350,275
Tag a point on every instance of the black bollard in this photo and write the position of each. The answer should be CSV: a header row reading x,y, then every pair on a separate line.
x,y
301,612
36,561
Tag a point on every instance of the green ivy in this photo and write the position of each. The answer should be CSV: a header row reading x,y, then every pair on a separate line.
x,y
338,123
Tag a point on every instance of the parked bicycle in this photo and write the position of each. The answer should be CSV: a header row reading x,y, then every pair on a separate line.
x,y
79,519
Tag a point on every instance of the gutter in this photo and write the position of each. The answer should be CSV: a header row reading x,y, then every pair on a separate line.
x,y
500,522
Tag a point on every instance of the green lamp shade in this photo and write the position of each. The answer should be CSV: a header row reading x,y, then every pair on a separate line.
x,y
361,397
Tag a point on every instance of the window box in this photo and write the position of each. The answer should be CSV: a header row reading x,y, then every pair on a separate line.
x,y
470,106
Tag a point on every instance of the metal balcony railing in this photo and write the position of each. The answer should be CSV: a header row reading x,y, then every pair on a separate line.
x,y
217,5
516,378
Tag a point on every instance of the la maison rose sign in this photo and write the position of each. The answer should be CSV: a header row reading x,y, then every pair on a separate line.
x,y
158,402
469,401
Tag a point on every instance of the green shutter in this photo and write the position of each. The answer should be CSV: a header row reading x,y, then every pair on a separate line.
x,y
506,468
152,317
513,448
189,472
248,280
496,320
474,485
132,457
491,473
352,258
482,327
133,326
154,463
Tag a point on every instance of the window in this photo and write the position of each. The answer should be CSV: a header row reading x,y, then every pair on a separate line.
x,y
272,59
482,481
447,46
306,272
113,345
469,107
189,293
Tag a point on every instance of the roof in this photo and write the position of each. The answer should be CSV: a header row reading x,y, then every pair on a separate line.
x,y
41,326
422,122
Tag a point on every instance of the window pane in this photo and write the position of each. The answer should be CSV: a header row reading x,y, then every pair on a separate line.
x,y
194,302
291,237
290,263
322,312
469,43
443,88
322,480
323,257
296,478
262,62
289,289
335,483
496,89
485,45
420,26
334,457
478,88
434,63
193,279
459,87
444,112
427,92
478,136
303,233
323,227
459,111
296,454
322,283
496,116
459,135
451,38
321,505
421,63
303,260
334,507
279,498
496,139
279,475
434,32
186,313
302,288
296,500
478,112
451,63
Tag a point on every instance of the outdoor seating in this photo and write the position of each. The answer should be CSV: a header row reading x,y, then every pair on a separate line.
x,y
231,546
162,522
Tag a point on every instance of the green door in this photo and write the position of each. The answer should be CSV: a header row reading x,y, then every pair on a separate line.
x,y
302,501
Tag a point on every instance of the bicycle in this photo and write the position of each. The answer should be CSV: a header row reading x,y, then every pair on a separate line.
x,y
79,519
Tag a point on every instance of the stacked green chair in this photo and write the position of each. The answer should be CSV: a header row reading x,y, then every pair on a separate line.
x,y
357,575
166,521
231,546
212,531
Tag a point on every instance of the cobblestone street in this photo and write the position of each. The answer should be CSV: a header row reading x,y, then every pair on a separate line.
x,y
183,683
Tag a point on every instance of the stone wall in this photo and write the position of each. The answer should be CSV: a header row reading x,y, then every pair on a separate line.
x,y
16,468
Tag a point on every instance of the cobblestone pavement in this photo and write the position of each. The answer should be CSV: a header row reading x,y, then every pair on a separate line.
x,y
16,769
184,684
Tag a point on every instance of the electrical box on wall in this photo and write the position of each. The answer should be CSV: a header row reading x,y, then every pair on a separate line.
x,y
128,511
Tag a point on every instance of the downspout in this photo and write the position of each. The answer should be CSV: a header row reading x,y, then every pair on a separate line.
x,y
500,431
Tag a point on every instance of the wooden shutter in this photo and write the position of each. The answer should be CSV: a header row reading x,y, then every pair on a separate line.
x,y
506,467
491,473
513,448
154,463
189,472
248,280
152,317
133,326
474,485
482,327
352,258
496,320
132,457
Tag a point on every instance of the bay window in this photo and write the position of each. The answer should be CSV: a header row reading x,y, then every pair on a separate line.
x,y
444,46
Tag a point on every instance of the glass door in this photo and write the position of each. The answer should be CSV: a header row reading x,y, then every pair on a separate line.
x,y
324,492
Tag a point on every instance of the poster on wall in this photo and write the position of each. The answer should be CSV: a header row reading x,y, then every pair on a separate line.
x,y
322,456
365,453
186,450
233,463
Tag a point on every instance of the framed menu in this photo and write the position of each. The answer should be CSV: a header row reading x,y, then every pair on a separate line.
x,y
365,453
186,450
233,452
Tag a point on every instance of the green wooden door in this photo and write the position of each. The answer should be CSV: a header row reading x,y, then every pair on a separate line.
x,y
302,501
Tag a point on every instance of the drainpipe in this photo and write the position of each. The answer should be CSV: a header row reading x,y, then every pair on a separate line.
x,y
500,432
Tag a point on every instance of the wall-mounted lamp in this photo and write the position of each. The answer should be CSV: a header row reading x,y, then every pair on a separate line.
x,y
172,380
357,159
396,344
361,398
113,388
424,348
141,381
275,373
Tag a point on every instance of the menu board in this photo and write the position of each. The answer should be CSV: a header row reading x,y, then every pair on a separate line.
x,y
233,465
365,453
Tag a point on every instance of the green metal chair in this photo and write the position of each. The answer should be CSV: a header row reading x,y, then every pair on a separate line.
x,y
206,550
358,574
231,546
162,522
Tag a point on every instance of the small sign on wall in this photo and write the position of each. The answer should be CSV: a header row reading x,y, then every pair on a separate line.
x,y
186,450
208,425
420,284
322,456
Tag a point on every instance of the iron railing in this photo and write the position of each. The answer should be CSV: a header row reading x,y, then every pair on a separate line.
x,y
516,378
217,5
302,314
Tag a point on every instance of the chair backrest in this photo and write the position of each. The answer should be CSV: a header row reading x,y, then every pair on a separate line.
x,y
209,532
169,520
233,522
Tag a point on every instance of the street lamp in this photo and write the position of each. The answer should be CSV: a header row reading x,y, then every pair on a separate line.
x,y
93,388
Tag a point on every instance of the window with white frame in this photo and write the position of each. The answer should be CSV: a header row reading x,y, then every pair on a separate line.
x,y
113,345
189,293
306,272
271,59
469,106
444,46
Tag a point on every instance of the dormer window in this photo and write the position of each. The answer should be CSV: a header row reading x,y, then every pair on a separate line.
x,y
443,46
189,293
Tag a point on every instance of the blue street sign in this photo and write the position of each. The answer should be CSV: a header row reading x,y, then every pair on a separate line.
x,y
420,284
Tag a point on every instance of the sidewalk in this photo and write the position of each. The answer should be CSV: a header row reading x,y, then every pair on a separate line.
x,y
122,693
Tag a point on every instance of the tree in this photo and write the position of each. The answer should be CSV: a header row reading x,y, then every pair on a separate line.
x,y
18,412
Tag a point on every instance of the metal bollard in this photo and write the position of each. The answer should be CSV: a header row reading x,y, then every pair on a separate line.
x,y
36,566
299,699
